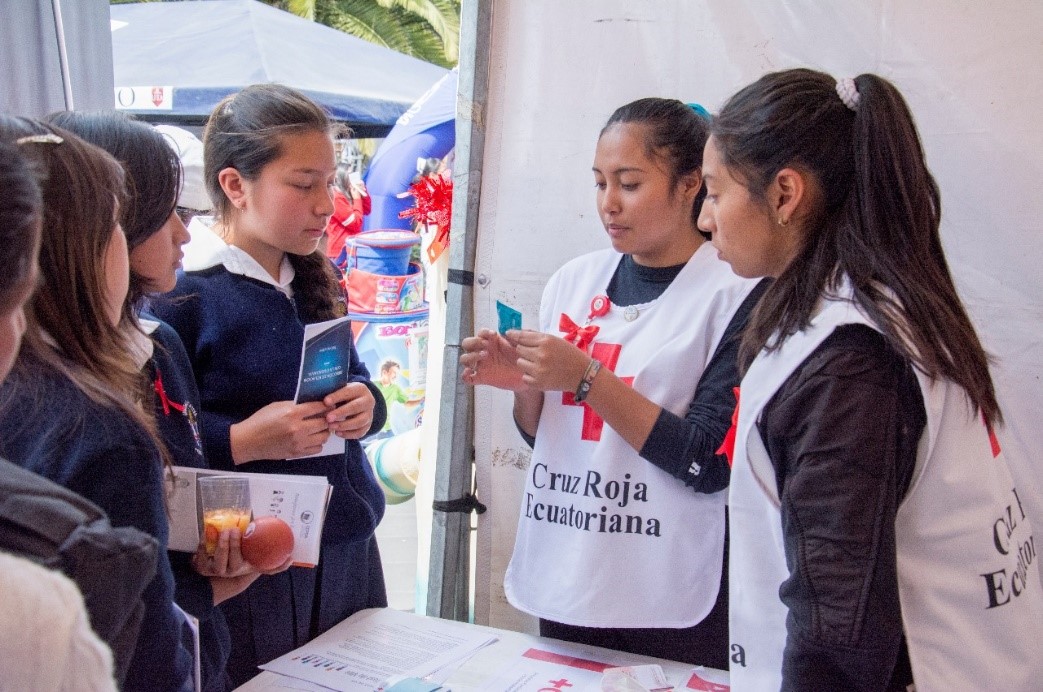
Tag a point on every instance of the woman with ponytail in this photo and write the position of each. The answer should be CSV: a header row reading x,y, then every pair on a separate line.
x,y
628,384
878,540
252,278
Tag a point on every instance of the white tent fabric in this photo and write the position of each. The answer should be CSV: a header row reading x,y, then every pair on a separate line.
x,y
203,51
36,38
562,68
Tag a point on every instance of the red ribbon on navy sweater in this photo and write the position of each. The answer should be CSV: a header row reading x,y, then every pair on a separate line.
x,y
163,398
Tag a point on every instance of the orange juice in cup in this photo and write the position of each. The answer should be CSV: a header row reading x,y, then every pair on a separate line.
x,y
225,504
217,520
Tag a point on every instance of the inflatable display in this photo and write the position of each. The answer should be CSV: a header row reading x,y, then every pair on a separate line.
x,y
389,319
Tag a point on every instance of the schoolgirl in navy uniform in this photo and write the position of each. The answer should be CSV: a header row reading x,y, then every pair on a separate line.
x,y
71,410
155,235
46,639
252,279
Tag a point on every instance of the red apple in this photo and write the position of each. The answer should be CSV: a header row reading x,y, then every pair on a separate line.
x,y
267,542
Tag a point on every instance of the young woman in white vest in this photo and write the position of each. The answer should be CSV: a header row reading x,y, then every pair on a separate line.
x,y
626,393
878,540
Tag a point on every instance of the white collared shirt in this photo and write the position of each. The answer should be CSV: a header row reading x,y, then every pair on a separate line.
x,y
141,346
207,249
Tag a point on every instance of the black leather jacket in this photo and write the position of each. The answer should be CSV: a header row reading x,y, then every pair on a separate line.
x,y
842,433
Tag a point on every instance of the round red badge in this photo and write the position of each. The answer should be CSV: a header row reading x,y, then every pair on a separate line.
x,y
599,307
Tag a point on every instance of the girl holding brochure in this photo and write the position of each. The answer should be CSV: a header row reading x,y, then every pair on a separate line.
x,y
71,408
155,235
253,277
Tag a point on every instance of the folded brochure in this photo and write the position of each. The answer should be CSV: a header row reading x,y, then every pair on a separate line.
x,y
325,368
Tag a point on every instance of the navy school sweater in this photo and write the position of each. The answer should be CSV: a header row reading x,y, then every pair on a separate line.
x,y
243,338
49,426
176,406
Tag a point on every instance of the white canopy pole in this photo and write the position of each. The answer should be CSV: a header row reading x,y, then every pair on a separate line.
x,y
449,576
63,55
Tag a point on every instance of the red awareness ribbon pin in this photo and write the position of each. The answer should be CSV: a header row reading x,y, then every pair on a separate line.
x,y
994,441
163,398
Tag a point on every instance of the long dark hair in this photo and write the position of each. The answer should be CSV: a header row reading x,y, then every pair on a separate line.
x,y
81,191
246,132
875,221
153,172
21,213
676,135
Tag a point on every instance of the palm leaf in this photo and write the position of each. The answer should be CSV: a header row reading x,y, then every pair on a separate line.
x,y
425,29
302,8
442,15
392,27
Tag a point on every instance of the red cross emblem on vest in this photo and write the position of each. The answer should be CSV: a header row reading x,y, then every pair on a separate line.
x,y
608,354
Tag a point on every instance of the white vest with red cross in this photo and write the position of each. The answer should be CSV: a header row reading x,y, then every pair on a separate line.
x,y
968,580
605,538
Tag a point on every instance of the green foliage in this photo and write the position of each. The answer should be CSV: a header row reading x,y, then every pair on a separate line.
x,y
301,8
442,15
426,29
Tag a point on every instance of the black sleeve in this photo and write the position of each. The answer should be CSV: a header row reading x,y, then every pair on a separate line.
x,y
686,448
842,434
529,439
380,408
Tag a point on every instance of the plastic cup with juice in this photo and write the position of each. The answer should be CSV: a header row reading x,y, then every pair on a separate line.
x,y
225,504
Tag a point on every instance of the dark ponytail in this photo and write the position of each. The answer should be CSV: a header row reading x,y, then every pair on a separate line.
x,y
317,290
875,220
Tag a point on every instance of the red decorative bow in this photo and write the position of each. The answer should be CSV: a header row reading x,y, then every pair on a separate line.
x,y
727,447
434,203
580,337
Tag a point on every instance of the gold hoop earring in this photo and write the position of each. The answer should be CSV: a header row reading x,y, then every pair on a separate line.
x,y
783,222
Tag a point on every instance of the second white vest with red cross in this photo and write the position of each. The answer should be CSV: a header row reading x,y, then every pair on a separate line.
x,y
968,579
605,538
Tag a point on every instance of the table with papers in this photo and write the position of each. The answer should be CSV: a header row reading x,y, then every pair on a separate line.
x,y
377,648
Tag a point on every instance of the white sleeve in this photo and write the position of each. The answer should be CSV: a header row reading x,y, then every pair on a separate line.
x,y
46,641
548,321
